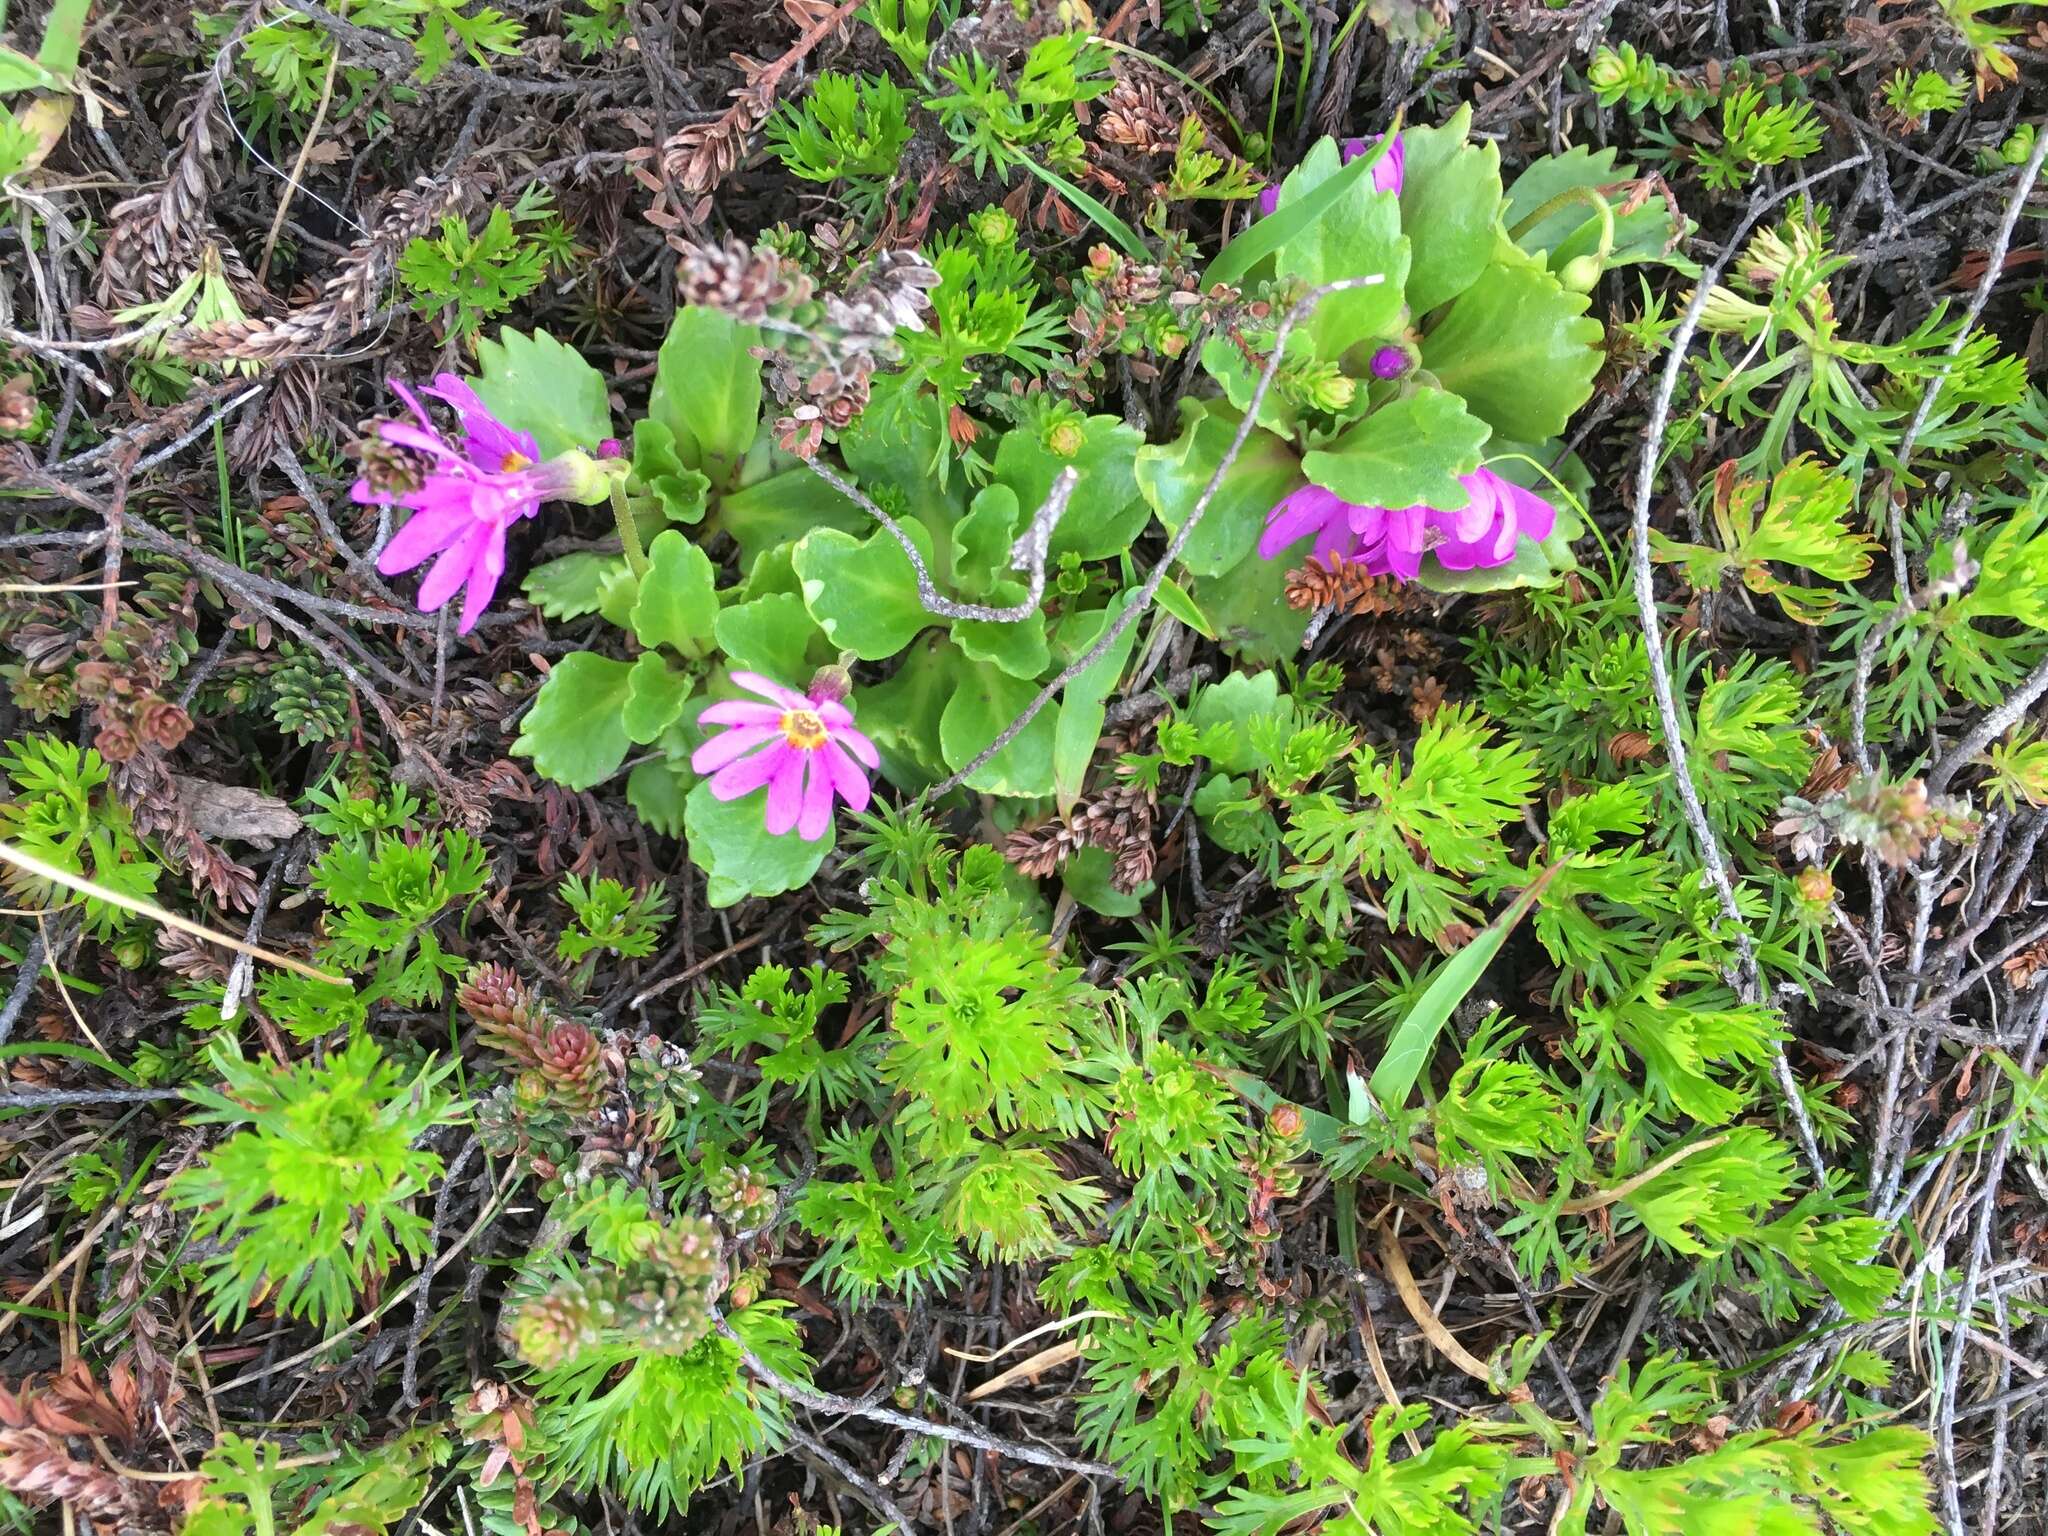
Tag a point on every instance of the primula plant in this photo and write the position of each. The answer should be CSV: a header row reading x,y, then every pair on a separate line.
x,y
918,767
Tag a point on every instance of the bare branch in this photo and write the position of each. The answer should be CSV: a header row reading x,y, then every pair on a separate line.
x,y
1028,554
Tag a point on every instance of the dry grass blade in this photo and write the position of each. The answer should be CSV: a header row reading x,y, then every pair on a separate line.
x,y
29,864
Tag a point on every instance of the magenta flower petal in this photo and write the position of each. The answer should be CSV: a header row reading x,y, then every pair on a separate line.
x,y
847,779
1269,202
788,698
484,575
740,712
1533,517
859,745
786,791
1310,509
720,750
747,774
454,567
425,533
815,815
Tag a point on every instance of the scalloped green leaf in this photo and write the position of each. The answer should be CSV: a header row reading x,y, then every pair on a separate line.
x,y
729,840
1408,453
575,730
863,591
1450,209
980,709
771,634
655,696
1359,235
707,390
1173,476
1106,512
573,585
540,385
683,492
1519,349
678,597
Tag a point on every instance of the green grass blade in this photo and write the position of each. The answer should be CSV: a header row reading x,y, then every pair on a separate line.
x,y
1414,1037
1116,228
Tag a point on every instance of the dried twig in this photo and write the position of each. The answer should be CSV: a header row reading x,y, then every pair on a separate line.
x,y
1028,554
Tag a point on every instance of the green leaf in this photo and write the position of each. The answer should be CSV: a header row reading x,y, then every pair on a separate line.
x,y
982,540
1106,512
982,705
864,592
537,384
1174,598
63,36
1082,709
771,635
575,732
730,842
573,585
1108,222
683,492
657,790
1086,876
655,696
1412,1040
1519,348
1173,476
19,72
1302,204
781,509
1248,606
1408,453
707,390
901,714
1019,647
1359,236
678,596
1236,701
1450,209
1573,229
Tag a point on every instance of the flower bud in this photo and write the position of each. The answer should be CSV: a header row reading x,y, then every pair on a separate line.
x,y
1285,1121
1816,887
1580,274
1390,362
829,684
576,476
1607,71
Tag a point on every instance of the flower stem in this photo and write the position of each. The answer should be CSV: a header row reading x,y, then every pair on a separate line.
x,y
629,533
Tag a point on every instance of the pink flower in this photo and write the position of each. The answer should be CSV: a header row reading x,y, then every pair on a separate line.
x,y
462,500
1393,540
1386,175
802,746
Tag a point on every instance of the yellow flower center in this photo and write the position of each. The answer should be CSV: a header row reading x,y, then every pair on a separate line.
x,y
513,462
802,728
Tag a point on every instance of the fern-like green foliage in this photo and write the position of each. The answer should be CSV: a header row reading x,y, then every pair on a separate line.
x,y
1411,832
880,1236
384,895
1755,134
1163,1401
311,1198
986,1014
849,129
611,920
60,810
652,1429
776,1024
